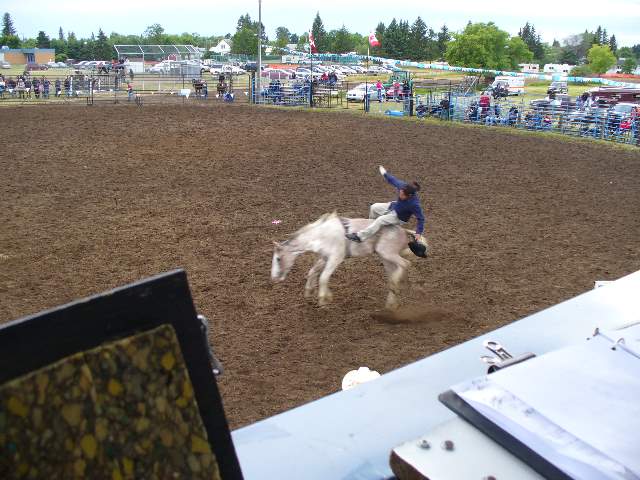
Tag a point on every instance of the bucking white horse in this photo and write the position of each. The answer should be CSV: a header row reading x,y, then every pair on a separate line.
x,y
326,238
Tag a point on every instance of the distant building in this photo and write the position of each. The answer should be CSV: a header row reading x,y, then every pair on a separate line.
x,y
529,67
558,68
223,47
21,56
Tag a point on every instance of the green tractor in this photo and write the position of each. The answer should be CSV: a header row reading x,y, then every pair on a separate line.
x,y
400,77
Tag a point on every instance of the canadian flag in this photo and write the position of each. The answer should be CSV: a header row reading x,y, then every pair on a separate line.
x,y
373,41
312,43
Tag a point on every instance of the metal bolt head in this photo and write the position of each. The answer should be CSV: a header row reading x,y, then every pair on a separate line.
x,y
424,443
448,445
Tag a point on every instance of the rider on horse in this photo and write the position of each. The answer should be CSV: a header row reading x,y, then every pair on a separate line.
x,y
394,213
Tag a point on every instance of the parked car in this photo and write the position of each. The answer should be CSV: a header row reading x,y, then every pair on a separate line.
x,y
4,64
558,87
562,102
30,67
216,68
357,94
161,68
233,70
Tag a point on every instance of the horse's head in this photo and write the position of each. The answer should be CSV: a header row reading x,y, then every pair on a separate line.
x,y
284,256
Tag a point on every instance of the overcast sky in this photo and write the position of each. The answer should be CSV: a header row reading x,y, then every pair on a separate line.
x,y
552,18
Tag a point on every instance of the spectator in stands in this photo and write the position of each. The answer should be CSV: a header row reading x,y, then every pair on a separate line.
x,y
396,91
379,88
20,87
406,89
46,85
27,87
333,78
484,103
324,78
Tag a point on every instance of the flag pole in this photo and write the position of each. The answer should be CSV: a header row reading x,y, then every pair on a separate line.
x,y
311,75
366,84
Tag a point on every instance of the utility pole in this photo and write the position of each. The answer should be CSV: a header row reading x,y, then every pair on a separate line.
x,y
259,69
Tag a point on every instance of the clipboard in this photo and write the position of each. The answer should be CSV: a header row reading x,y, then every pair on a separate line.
x,y
570,414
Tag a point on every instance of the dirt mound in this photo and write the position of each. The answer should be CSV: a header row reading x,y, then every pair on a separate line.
x,y
416,314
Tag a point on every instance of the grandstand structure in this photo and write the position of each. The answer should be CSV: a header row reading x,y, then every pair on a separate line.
x,y
158,52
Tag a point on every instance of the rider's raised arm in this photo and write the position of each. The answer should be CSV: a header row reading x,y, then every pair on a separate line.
x,y
394,181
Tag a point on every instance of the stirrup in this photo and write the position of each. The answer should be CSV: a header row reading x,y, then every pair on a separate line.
x,y
353,237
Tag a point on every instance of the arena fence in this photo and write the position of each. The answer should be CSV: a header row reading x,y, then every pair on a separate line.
x,y
618,124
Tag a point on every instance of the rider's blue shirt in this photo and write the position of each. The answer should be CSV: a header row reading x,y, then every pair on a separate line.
x,y
405,208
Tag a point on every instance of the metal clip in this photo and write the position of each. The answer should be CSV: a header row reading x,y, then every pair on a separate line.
x,y
503,358
497,349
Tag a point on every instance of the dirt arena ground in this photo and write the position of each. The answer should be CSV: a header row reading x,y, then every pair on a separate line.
x,y
94,197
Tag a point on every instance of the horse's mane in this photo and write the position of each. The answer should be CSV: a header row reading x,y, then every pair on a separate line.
x,y
323,218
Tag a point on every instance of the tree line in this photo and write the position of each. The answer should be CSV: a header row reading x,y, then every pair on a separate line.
x,y
482,45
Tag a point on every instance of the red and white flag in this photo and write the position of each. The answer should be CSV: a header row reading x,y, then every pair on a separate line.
x,y
373,41
312,43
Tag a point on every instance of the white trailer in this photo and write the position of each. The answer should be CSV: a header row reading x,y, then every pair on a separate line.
x,y
515,85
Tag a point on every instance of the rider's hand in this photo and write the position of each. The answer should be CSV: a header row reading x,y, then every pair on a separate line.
x,y
382,170
418,237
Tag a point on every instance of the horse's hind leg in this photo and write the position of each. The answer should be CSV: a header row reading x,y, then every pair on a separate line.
x,y
312,277
396,268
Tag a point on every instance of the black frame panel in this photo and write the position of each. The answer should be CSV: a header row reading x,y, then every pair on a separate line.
x,y
38,340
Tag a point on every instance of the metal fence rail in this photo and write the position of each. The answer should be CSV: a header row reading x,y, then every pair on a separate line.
x,y
596,121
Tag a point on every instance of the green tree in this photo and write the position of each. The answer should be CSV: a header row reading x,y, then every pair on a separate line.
x,y
569,56
60,34
613,44
418,41
480,45
43,41
390,39
319,34
601,58
343,41
303,42
636,50
629,65
73,47
597,37
293,38
154,34
532,40
518,52
442,40
625,52
103,49
7,25
245,41
11,41
282,37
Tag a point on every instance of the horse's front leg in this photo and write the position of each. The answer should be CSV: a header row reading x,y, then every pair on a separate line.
x,y
312,277
324,294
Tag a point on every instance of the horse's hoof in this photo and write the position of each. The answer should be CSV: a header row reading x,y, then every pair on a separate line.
x,y
324,301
